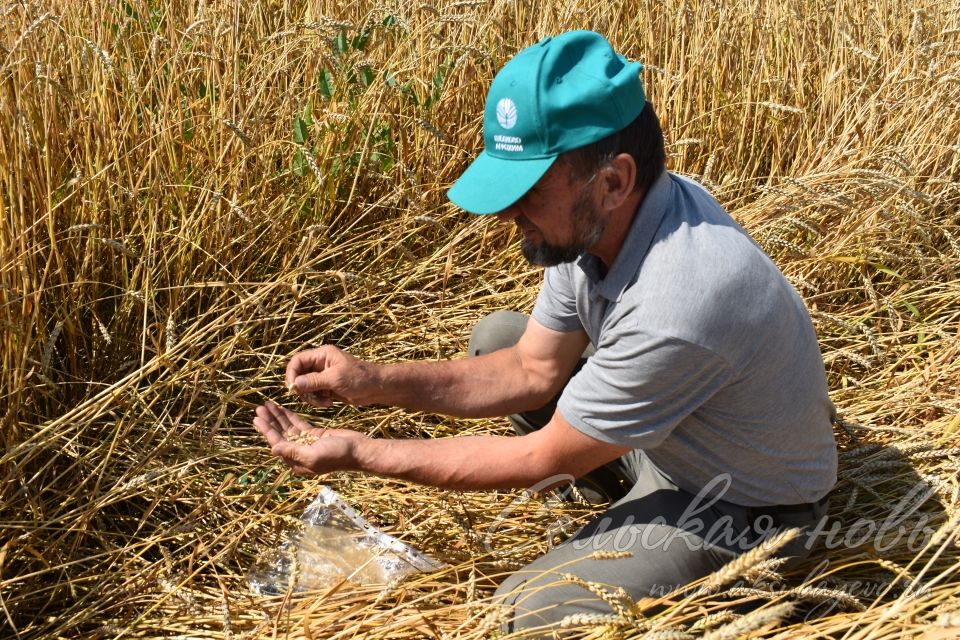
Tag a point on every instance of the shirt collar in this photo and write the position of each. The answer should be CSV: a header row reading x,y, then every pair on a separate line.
x,y
635,245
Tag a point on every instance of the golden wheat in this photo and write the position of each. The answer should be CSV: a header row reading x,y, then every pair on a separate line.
x,y
164,252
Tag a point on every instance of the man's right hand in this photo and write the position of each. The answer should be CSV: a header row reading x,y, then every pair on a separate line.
x,y
320,376
507,381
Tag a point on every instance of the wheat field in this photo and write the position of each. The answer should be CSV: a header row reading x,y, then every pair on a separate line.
x,y
194,190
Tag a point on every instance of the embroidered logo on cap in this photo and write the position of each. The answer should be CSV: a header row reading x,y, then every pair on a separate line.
x,y
506,113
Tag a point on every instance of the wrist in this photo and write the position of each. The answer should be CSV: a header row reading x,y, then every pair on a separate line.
x,y
362,455
375,383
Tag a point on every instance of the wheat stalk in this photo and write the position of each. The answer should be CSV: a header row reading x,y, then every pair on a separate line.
x,y
747,561
750,622
119,141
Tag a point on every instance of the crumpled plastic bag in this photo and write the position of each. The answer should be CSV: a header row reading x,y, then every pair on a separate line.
x,y
334,543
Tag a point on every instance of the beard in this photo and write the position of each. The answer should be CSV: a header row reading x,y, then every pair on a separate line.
x,y
588,225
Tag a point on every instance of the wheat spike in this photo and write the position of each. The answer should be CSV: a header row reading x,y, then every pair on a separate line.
x,y
610,555
713,620
668,634
822,594
312,162
591,620
120,247
746,561
948,620
102,328
618,599
51,345
765,570
751,622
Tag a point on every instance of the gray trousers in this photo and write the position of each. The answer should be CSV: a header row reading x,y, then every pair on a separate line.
x,y
669,537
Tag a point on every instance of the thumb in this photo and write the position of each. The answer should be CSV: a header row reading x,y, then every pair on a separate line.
x,y
316,381
291,453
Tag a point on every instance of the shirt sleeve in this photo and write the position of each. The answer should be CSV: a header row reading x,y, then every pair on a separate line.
x,y
637,387
556,306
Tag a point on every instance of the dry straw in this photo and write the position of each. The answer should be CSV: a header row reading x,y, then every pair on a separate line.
x,y
748,561
615,596
751,622
110,161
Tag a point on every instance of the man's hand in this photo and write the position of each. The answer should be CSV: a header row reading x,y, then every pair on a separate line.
x,y
464,463
519,378
306,449
320,376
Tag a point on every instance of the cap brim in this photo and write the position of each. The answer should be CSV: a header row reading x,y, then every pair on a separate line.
x,y
492,184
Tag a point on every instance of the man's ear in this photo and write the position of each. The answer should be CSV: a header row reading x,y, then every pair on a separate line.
x,y
617,179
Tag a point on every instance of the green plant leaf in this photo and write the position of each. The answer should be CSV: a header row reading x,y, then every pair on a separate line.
x,y
408,90
361,39
300,166
300,130
366,76
887,270
438,77
340,43
386,162
325,83
188,128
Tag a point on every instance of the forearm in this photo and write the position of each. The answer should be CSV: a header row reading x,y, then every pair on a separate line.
x,y
494,384
467,463
541,459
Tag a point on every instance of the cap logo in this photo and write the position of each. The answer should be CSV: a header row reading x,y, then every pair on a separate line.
x,y
506,113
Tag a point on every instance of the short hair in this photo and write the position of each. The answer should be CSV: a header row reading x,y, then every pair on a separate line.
x,y
642,139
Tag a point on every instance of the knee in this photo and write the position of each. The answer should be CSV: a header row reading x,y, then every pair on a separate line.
x,y
523,606
542,603
498,330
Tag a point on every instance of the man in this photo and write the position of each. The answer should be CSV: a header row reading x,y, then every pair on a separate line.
x,y
702,386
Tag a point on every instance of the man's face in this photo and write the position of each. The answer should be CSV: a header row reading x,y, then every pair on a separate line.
x,y
558,217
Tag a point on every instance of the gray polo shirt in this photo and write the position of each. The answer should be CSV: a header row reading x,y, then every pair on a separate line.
x,y
706,357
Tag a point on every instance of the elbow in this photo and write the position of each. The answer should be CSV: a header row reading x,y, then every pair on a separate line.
x,y
541,390
548,477
540,384
545,471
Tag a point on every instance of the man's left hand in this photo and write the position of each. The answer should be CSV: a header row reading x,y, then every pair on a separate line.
x,y
306,449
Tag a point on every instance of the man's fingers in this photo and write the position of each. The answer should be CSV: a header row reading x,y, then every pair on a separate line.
x,y
297,420
280,416
266,420
313,382
278,424
315,388
275,422
288,419
312,360
299,364
268,428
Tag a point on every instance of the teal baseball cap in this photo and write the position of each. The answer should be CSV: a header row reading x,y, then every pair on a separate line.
x,y
560,94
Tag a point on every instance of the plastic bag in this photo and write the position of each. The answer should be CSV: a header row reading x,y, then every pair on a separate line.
x,y
334,543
